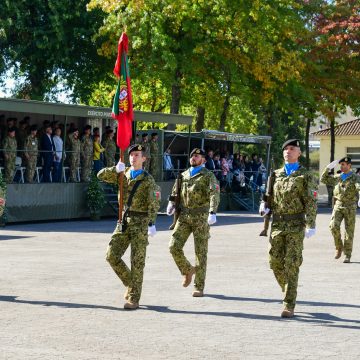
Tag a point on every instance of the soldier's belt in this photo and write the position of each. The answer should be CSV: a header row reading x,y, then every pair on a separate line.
x,y
136,213
288,217
194,211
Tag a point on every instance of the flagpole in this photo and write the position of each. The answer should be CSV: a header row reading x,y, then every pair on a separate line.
x,y
121,190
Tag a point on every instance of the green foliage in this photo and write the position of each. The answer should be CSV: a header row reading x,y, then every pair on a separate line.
x,y
95,197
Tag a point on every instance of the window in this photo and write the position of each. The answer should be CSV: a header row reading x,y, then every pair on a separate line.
x,y
354,153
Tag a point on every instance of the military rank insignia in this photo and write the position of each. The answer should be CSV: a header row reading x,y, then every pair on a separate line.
x,y
157,195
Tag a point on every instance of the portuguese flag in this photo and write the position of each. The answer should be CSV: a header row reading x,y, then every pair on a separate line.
x,y
122,109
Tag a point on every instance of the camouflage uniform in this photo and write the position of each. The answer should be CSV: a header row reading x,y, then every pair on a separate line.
x,y
74,147
87,150
21,137
154,159
143,210
293,204
345,196
146,146
31,148
199,195
110,151
10,147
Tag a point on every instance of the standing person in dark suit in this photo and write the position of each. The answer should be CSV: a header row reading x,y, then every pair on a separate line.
x,y
47,152
210,165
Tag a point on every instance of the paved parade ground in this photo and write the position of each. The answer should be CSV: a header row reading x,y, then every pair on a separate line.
x,y
59,299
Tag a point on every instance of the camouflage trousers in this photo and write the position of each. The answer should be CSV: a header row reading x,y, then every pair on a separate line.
x,y
285,260
9,169
30,169
135,236
154,168
347,214
74,163
198,226
86,168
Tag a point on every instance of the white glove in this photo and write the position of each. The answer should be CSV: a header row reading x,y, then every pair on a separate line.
x,y
152,230
359,203
263,210
170,208
310,232
120,167
211,219
332,164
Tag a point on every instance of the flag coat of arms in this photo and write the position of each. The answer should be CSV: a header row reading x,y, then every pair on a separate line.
x,y
122,109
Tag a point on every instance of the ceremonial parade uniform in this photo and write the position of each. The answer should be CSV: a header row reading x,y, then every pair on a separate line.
x,y
293,203
345,197
199,196
137,218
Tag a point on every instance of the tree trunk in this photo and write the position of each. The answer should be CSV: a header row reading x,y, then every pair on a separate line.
x,y
224,113
307,159
175,97
332,139
200,118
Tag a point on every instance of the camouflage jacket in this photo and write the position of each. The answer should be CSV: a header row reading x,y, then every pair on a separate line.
x,y
345,192
87,147
73,146
199,191
154,149
10,147
110,147
147,196
31,146
294,194
146,145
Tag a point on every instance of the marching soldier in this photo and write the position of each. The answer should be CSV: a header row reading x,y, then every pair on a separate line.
x,y
346,195
292,201
142,198
87,149
9,149
31,149
199,194
154,156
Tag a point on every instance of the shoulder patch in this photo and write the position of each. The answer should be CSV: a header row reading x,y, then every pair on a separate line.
x,y
215,187
157,195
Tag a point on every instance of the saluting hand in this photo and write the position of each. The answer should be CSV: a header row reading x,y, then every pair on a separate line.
x,y
332,164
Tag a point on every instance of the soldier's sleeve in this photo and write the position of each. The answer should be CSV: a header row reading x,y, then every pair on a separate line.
x,y
173,194
154,200
310,201
108,175
214,193
327,179
357,184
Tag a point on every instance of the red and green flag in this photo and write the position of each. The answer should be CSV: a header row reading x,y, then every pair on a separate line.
x,y
122,109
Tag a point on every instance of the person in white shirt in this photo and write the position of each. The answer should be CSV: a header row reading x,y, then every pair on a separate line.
x,y
59,144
